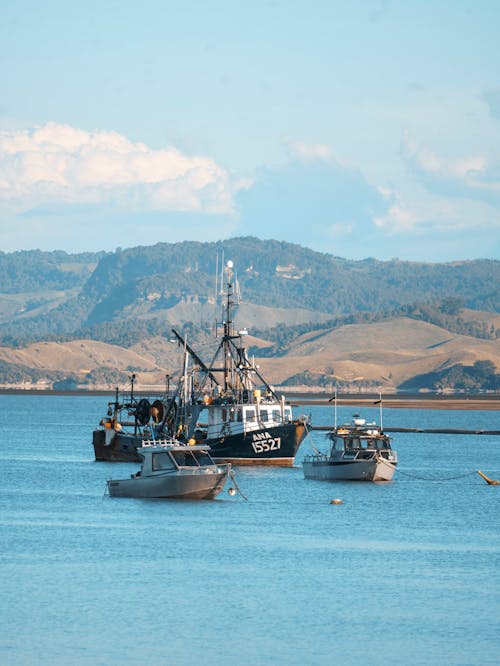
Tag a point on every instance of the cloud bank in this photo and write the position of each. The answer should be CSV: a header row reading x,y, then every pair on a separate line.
x,y
313,200
66,188
470,177
61,165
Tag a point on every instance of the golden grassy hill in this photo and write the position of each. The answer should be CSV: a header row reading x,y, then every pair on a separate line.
x,y
386,353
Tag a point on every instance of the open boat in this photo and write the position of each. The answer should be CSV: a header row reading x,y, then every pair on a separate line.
x,y
359,451
171,469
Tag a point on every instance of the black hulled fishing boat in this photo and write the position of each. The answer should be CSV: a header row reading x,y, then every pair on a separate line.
x,y
244,421
129,421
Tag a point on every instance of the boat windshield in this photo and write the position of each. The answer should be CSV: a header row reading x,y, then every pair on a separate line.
x,y
179,457
191,458
203,458
162,461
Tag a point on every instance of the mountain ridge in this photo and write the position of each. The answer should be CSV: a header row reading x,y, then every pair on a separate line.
x,y
132,298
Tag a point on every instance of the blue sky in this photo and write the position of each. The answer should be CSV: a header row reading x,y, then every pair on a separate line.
x,y
355,128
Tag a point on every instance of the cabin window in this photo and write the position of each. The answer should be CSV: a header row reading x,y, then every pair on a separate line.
x,y
250,414
276,415
179,457
239,415
264,415
224,414
191,459
161,461
203,458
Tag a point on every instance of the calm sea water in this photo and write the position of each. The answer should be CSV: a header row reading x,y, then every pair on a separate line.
x,y
401,573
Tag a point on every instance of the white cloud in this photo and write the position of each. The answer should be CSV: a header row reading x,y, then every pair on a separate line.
x,y
303,150
59,164
423,213
472,176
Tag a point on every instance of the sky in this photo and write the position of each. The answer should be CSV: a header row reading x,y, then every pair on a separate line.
x,y
360,128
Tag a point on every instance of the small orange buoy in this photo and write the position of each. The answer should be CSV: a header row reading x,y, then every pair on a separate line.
x,y
336,501
490,482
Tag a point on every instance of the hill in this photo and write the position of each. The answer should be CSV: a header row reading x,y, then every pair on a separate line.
x,y
33,283
316,319
175,284
385,355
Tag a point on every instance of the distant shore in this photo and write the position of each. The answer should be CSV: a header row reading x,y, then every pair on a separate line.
x,y
403,402
490,401
484,401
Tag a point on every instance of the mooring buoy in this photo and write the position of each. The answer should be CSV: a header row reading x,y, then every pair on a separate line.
x,y
336,501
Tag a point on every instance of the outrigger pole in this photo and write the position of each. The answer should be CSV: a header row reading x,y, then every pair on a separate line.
x,y
195,356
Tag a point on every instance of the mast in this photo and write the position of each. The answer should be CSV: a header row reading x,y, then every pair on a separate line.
x,y
237,369
228,327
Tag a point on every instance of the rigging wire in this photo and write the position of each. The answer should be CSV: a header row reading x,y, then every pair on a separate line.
x,y
311,442
233,479
436,479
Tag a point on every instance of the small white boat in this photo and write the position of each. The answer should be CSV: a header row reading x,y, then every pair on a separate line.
x,y
172,469
359,451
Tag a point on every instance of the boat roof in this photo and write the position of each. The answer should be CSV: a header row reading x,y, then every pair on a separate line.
x,y
368,430
156,445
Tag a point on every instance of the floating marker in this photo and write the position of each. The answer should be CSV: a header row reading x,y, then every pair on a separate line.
x,y
231,491
336,501
490,482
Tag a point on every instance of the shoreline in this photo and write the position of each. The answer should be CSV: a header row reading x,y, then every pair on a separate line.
x,y
492,404
392,400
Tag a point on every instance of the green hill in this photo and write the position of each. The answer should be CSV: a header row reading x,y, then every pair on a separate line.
x,y
295,301
167,284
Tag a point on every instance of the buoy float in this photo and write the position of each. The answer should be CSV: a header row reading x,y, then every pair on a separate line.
x,y
336,501
490,482
231,491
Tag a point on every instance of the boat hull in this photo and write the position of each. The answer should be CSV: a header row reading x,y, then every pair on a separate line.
x,y
359,470
277,446
111,446
205,485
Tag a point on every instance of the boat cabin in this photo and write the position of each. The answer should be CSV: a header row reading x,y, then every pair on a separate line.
x,y
236,418
355,441
164,456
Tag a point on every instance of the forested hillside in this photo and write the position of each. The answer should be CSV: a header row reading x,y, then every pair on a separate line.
x,y
154,287
32,270
316,320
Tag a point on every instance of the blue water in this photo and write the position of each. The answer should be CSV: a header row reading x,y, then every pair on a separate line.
x,y
400,573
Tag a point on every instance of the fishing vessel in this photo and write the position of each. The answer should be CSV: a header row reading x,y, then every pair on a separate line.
x,y
129,421
233,408
359,451
171,469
